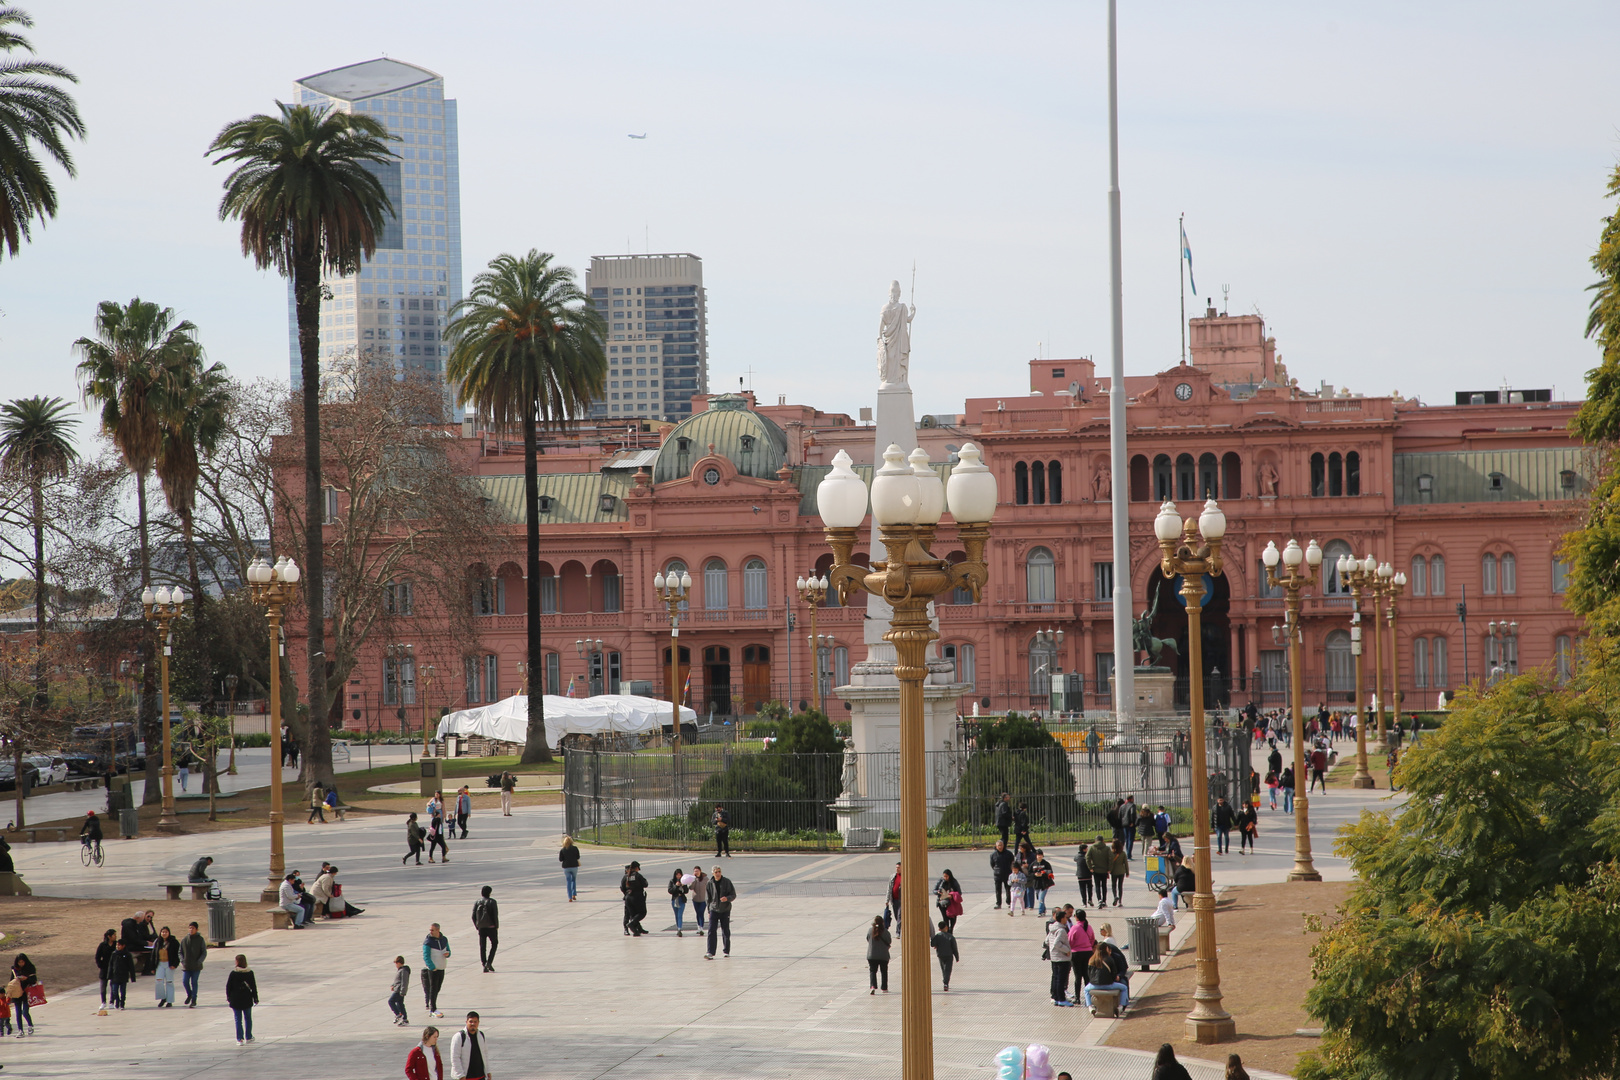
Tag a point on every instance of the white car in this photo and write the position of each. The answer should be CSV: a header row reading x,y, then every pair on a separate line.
x,y
52,769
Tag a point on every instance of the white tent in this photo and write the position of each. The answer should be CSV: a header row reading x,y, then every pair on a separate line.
x,y
508,720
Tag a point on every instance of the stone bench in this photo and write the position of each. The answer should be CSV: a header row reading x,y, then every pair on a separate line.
x,y
199,889
280,918
33,835
1105,1003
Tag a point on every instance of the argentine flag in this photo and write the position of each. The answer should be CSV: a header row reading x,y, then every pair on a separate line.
x,y
1186,253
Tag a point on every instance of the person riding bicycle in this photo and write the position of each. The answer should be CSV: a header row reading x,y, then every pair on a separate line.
x,y
90,832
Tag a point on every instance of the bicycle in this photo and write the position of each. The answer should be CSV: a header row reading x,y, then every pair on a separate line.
x,y
90,852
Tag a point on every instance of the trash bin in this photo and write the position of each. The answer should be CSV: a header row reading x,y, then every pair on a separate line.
x,y
221,921
1144,942
129,823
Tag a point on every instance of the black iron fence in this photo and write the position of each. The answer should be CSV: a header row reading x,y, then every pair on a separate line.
x,y
777,801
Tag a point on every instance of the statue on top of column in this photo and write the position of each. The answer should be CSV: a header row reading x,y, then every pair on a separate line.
x,y
894,339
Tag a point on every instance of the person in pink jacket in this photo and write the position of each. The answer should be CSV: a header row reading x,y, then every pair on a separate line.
x,y
1082,940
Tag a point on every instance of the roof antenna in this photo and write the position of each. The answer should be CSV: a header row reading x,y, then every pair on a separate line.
x,y
1225,289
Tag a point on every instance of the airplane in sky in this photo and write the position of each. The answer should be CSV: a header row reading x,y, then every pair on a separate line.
x,y
643,135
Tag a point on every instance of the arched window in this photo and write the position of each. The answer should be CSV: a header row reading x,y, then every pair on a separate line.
x,y
483,682
1333,585
1054,482
1420,663
1164,481
1437,663
1509,573
1318,475
1231,476
754,598
1488,575
715,595
1335,477
1020,484
1352,473
1042,663
675,569
840,665
962,656
548,589
1141,479
1209,477
1037,482
1040,576
1186,478
1341,672
1420,578
1437,575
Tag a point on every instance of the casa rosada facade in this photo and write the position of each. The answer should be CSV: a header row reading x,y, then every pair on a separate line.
x,y
1469,500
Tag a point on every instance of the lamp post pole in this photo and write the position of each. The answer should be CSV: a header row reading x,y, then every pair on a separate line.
x,y
907,502
813,590
1393,585
673,590
1187,556
275,587
1299,570
1377,595
1355,573
163,607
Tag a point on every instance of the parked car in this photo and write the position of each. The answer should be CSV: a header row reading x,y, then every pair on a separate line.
x,y
53,768
8,776
85,763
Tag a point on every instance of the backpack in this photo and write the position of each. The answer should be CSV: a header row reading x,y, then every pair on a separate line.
x,y
482,915
1130,815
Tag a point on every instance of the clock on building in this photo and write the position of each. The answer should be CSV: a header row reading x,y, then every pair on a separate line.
x,y
711,476
1184,391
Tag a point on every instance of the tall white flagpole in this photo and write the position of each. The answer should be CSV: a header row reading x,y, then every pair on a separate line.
x,y
1124,654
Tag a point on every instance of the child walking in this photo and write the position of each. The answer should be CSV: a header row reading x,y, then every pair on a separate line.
x,y
396,996
1016,883
944,943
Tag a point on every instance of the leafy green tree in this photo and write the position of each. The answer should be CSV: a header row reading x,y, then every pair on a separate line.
x,y
36,445
1015,732
528,353
808,732
1020,757
36,117
308,201
192,403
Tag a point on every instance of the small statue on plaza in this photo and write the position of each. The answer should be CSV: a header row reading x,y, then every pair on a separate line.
x,y
851,768
894,339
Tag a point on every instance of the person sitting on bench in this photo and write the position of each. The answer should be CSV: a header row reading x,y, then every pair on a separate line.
x,y
199,870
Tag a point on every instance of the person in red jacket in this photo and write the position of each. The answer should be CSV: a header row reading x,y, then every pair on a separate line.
x,y
416,1062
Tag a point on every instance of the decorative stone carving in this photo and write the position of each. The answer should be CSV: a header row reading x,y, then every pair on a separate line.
x,y
894,339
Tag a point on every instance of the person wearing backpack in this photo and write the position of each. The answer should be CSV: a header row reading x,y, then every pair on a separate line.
x,y
486,918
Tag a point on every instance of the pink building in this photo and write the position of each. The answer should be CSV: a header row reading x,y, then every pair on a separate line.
x,y
1469,497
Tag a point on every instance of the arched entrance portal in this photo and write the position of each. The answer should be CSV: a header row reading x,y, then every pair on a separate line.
x,y
1170,621
717,679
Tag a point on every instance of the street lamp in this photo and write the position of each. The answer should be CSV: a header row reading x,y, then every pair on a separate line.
x,y
907,501
275,587
230,690
1504,638
1185,555
673,590
163,607
1300,569
1390,586
588,647
1357,575
813,590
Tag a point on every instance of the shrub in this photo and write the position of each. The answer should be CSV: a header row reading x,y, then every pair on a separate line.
x,y
771,791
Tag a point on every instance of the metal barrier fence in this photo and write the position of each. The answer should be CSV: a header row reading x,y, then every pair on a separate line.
x,y
778,801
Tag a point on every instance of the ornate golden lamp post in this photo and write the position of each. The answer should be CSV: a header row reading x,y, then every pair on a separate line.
x,y
1299,570
907,502
1358,574
813,590
1391,585
163,607
275,587
673,590
1186,556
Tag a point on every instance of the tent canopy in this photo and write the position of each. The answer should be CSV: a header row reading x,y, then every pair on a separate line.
x,y
508,720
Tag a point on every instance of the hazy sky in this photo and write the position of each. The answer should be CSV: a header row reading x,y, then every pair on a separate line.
x,y
1410,193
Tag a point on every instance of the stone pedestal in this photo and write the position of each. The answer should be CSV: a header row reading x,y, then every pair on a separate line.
x,y
1155,691
859,835
12,884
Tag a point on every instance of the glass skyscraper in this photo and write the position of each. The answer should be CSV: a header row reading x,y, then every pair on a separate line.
x,y
396,306
657,316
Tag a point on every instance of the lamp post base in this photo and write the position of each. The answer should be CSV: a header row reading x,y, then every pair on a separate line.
x,y
1304,873
1362,780
271,893
168,824
1212,1030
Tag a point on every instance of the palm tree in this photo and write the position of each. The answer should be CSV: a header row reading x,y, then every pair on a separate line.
x,y
528,351
192,403
34,116
120,369
308,202
35,446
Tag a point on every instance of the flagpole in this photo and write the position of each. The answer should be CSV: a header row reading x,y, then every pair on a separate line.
x,y
1124,654
1181,245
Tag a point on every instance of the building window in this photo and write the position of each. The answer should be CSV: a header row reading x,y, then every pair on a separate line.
x,y
1437,663
1231,476
554,674
1420,663
1420,577
1335,585
1318,475
1141,479
1437,575
548,595
1102,580
1335,475
1021,484
715,597
1352,473
1564,657
840,665
966,665
1425,489
1341,673
398,598
1496,483
1040,577
1509,573
329,505
1186,478
1560,576
1037,482
754,585
1163,479
482,679
399,681
489,597
1488,575
1105,673
1054,482
612,592
1209,477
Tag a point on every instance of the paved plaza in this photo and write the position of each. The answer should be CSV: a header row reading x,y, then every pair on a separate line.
x,y
572,997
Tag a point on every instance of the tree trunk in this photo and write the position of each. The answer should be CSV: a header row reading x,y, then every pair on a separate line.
x,y
199,614
535,749
149,706
17,765
307,298
42,690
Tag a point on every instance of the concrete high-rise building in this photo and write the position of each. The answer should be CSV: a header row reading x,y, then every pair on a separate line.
x,y
658,334
396,306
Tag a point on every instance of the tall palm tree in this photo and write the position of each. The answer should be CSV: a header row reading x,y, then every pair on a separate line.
x,y
528,351
120,369
308,202
192,403
35,116
36,446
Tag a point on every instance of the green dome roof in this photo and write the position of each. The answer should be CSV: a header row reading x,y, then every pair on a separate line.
x,y
753,443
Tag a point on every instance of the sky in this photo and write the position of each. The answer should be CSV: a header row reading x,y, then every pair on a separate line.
x,y
1409,193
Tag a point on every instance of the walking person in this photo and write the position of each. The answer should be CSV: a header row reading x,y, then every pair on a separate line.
x,y
1100,859
436,838
1319,764
700,895
167,952
1021,826
891,899
120,971
1082,873
721,894
677,889
1248,825
633,888
722,831
193,951
104,955
1001,864
397,991
568,855
242,993
1057,951
1224,820
423,1062
413,837
1272,784
1004,815
469,1052
1119,868
1287,784
317,805
435,958
1082,942
183,764
486,919
463,809
23,976
508,785
1016,886
877,955
944,943
948,892
1041,878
